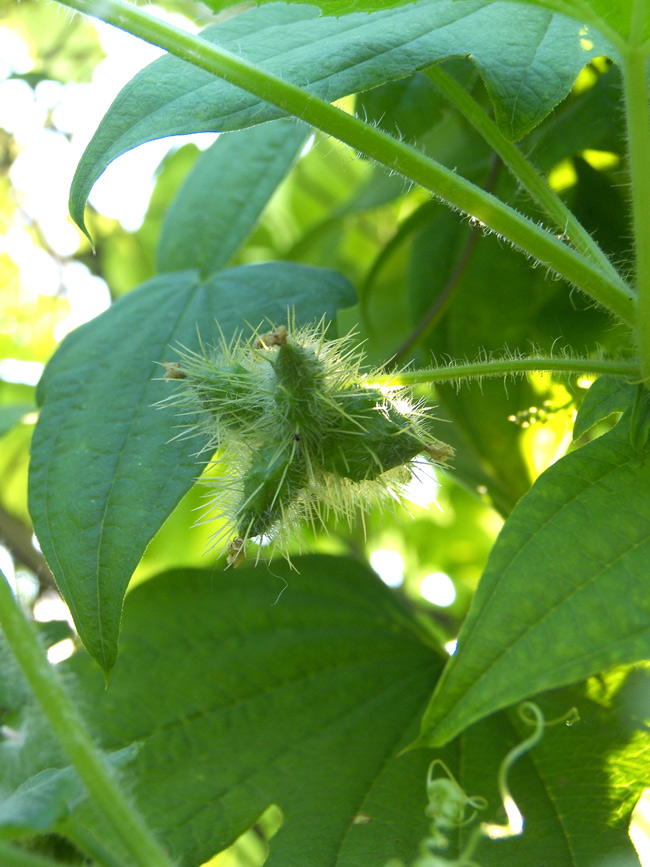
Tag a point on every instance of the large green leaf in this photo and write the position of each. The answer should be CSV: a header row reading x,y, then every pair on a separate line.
x,y
238,703
327,7
615,18
222,197
577,788
564,594
106,470
240,699
526,76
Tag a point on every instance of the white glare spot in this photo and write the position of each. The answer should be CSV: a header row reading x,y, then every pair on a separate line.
x,y
308,145
60,651
389,565
423,487
50,606
438,589
7,567
14,53
640,828
21,372
451,646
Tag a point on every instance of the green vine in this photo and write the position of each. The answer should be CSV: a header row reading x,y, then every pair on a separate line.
x,y
458,372
69,727
635,58
397,156
522,170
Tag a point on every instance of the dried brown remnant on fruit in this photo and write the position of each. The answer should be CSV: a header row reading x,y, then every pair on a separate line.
x,y
236,552
272,338
173,370
439,452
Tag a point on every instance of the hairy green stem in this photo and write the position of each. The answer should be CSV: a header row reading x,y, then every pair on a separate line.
x,y
376,144
509,367
635,61
522,170
69,727
12,856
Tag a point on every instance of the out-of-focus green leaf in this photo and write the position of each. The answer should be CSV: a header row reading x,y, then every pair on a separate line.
x,y
222,198
526,76
405,108
588,120
106,468
241,698
564,592
41,802
11,414
53,631
606,396
45,800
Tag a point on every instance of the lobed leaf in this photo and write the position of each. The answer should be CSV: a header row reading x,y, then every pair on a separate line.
x,y
223,196
564,592
107,467
526,76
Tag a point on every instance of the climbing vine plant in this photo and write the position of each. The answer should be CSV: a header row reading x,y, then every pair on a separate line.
x,y
299,692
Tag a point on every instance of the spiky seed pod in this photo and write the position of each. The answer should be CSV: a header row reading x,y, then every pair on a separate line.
x,y
373,437
222,391
272,486
303,433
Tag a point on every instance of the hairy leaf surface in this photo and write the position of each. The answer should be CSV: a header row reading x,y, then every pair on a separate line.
x,y
527,73
107,468
564,594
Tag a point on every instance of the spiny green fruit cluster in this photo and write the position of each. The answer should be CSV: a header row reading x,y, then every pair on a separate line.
x,y
302,432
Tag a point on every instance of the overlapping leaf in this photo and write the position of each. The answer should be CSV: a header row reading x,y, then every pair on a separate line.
x,y
331,57
328,687
240,699
222,197
616,18
564,594
106,469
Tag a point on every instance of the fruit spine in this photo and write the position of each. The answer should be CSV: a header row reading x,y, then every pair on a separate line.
x,y
302,432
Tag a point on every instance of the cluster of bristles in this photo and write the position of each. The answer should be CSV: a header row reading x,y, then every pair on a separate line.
x,y
302,433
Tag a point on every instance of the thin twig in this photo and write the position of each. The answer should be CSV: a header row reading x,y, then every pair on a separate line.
x,y
444,297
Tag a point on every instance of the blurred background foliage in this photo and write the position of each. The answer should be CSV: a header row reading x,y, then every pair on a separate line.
x,y
429,284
